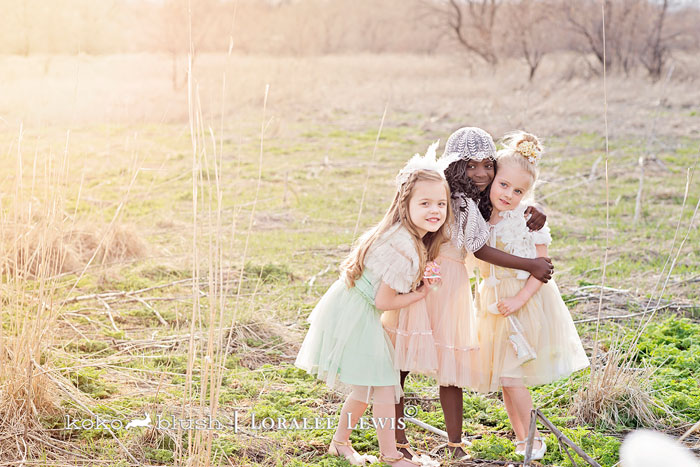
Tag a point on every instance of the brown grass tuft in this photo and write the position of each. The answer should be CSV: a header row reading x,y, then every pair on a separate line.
x,y
25,396
616,395
27,247
259,343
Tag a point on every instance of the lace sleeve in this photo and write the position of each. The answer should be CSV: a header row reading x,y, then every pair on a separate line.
x,y
393,257
472,231
542,236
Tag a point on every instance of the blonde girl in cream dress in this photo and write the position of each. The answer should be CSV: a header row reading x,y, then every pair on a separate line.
x,y
526,334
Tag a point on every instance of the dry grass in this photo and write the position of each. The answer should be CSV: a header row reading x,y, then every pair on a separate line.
x,y
27,394
45,244
616,395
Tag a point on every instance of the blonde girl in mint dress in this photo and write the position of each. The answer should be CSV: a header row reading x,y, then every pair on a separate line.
x,y
346,345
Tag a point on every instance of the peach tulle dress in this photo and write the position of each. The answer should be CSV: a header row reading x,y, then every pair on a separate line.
x,y
545,321
438,336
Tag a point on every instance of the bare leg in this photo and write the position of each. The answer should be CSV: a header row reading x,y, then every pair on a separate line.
x,y
513,415
349,416
452,408
518,403
385,420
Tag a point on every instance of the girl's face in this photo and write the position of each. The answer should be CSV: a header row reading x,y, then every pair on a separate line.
x,y
481,172
427,207
509,186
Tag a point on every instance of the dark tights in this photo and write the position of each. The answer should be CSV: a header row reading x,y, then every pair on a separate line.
x,y
451,402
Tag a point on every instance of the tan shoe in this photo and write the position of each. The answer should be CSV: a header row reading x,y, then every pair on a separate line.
x,y
354,458
394,460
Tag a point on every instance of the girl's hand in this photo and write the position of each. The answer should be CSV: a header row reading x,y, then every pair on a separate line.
x,y
537,218
541,268
427,286
508,306
423,290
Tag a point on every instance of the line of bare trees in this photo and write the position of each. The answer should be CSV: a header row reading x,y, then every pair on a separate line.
x,y
639,34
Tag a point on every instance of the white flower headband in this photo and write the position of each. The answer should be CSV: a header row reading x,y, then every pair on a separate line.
x,y
418,162
529,151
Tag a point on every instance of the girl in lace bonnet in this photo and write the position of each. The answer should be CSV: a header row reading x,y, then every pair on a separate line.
x,y
346,345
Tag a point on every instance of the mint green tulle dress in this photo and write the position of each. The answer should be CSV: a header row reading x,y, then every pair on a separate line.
x,y
346,345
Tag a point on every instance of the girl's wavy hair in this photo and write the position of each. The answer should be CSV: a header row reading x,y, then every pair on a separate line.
x,y
456,175
427,247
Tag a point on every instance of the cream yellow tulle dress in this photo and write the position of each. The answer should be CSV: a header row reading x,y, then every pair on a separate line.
x,y
546,322
438,336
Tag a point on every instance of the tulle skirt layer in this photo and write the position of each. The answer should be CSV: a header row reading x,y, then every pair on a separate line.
x,y
437,336
546,326
346,345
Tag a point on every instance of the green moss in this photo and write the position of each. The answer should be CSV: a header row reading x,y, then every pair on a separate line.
x,y
91,381
90,347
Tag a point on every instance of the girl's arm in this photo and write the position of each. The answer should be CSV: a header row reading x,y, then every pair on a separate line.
x,y
540,268
510,305
388,299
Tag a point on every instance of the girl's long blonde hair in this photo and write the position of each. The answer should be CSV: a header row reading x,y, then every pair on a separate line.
x,y
427,247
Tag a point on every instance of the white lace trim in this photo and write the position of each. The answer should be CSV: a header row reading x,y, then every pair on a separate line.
x,y
409,333
517,238
430,333
461,349
394,258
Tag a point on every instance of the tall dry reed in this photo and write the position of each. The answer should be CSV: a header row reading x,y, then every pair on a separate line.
x,y
32,226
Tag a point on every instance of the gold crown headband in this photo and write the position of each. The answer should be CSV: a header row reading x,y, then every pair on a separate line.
x,y
529,151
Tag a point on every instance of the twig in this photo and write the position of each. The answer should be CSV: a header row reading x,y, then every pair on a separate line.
x,y
364,189
106,295
109,313
594,167
563,440
155,312
638,201
690,431
632,315
427,427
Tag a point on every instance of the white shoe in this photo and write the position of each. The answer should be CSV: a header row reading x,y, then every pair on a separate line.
x,y
539,454
536,454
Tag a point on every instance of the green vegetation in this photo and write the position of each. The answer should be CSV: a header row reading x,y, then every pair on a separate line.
x,y
127,362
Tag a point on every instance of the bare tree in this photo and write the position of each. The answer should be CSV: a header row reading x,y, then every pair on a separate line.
x,y
528,33
635,31
471,23
585,19
655,50
178,17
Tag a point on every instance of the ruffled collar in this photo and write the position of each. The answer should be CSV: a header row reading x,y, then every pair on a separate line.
x,y
513,218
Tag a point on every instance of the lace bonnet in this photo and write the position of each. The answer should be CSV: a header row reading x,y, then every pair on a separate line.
x,y
468,143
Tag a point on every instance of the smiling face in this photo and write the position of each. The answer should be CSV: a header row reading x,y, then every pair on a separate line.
x,y
427,207
509,187
481,172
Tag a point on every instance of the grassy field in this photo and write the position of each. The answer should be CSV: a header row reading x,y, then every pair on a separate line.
x,y
170,307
